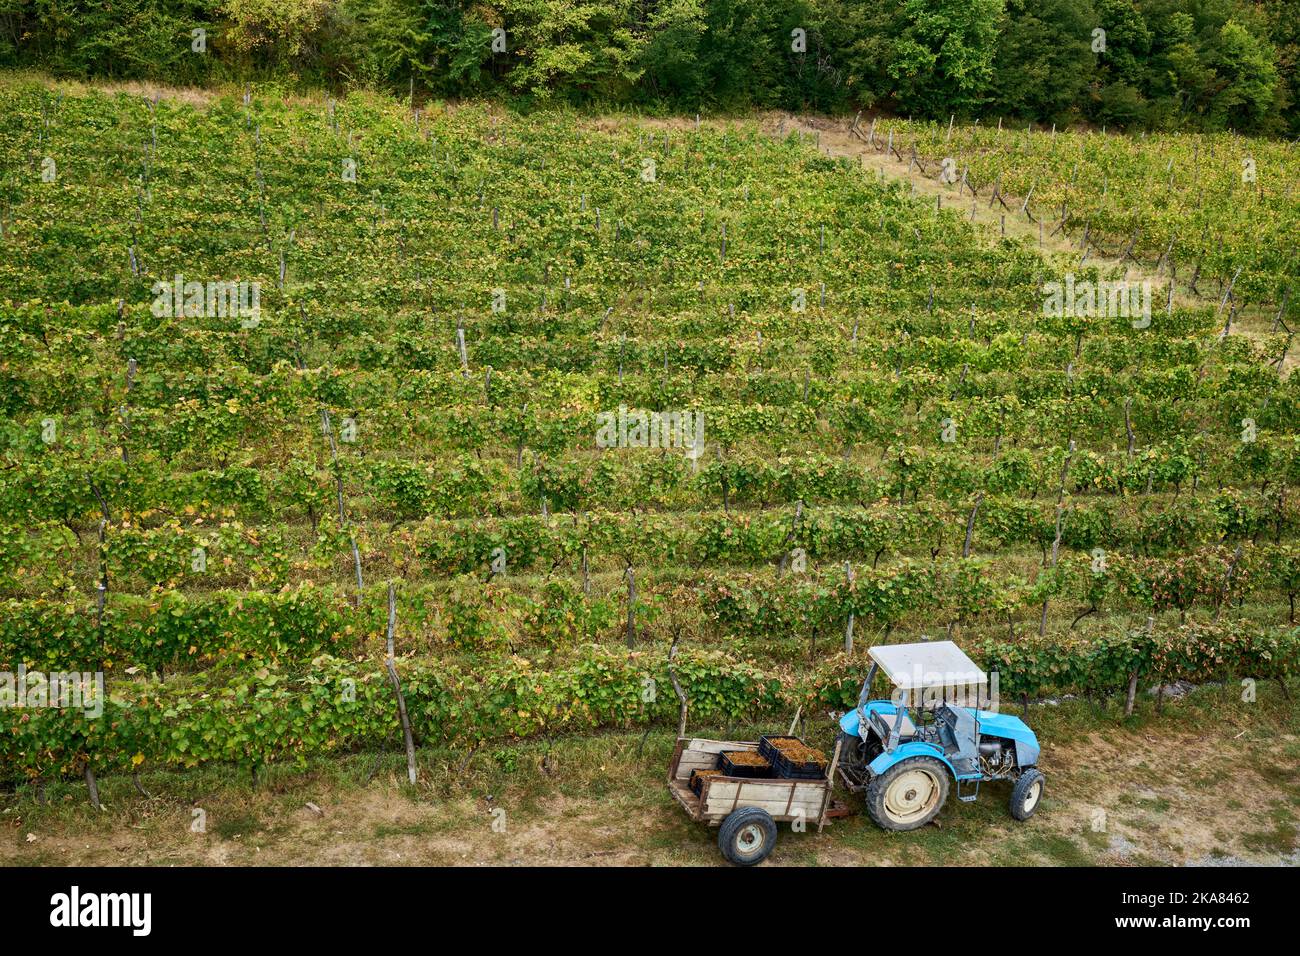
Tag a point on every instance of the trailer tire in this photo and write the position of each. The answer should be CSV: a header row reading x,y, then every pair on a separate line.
x,y
909,794
1027,793
747,836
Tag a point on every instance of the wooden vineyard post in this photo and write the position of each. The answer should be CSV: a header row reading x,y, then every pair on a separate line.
x,y
125,410
101,598
101,592
391,666
631,607
1056,542
356,565
848,628
1133,678
1228,291
790,537
1128,425
1024,206
519,448
677,687
1227,581
970,525
460,345
1166,257
92,787
338,487
1277,319
1132,693
726,487
328,429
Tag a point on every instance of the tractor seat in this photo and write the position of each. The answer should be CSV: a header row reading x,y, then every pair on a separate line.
x,y
907,730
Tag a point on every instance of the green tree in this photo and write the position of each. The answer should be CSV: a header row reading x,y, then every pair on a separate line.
x,y
444,44
1044,62
943,57
1282,21
672,61
586,50
1244,64
1128,43
743,57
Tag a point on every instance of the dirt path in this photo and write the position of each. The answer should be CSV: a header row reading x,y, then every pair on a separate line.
x,y
835,138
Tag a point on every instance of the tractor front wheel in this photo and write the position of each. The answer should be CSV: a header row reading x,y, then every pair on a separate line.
x,y
1027,793
909,794
747,836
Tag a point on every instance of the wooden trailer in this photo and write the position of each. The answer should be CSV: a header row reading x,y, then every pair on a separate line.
x,y
747,810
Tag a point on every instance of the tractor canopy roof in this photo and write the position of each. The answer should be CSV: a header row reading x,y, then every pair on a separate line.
x,y
928,664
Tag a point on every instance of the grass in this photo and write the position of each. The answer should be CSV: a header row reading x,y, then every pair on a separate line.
x,y
1182,786
233,826
1283,834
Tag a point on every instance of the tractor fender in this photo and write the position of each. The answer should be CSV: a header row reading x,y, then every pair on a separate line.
x,y
851,722
914,748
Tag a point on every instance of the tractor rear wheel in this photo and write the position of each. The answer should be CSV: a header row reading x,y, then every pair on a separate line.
x,y
909,794
1027,793
856,752
747,836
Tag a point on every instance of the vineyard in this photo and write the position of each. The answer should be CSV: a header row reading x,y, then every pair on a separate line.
x,y
1216,215
417,461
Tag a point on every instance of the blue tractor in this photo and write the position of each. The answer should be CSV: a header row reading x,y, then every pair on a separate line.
x,y
906,753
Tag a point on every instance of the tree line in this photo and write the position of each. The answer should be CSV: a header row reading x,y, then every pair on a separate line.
x,y
1160,64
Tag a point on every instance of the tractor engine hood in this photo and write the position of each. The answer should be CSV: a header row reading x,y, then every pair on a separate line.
x,y
991,724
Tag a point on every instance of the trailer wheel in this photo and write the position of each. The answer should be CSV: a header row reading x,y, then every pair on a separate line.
x,y
747,836
909,794
1027,794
